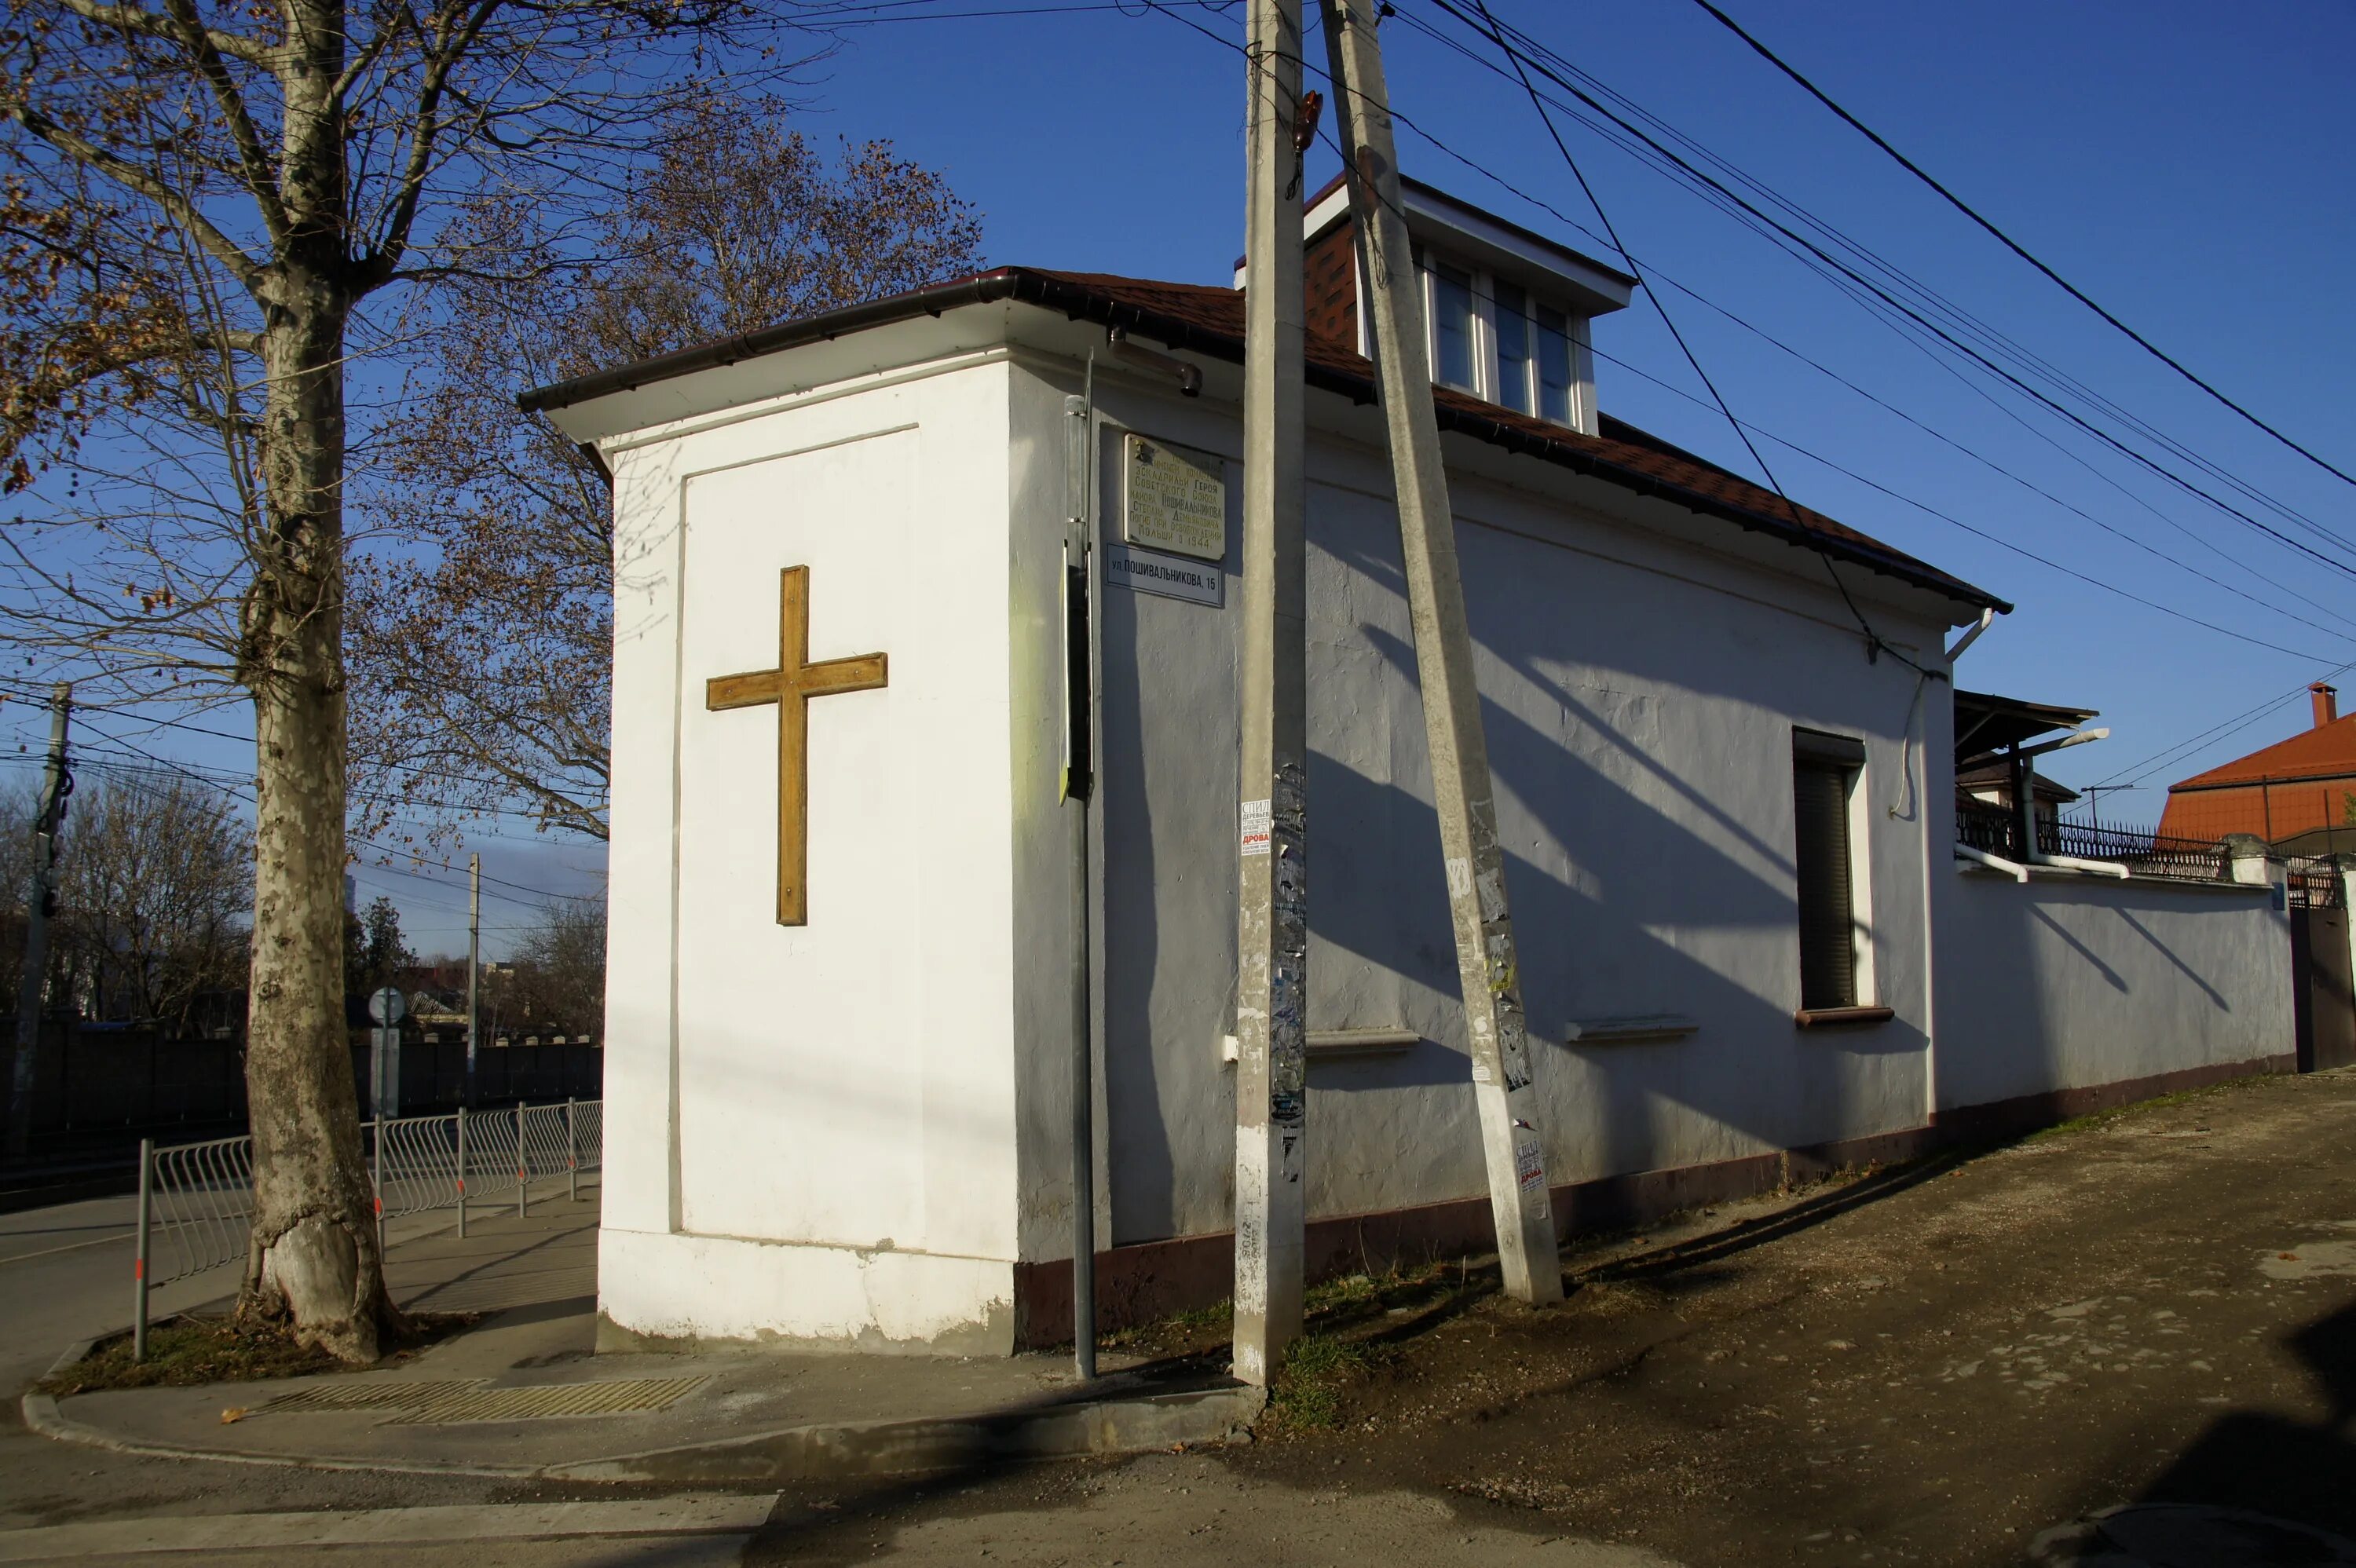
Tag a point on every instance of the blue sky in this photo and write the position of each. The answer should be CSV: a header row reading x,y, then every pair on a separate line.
x,y
2186,166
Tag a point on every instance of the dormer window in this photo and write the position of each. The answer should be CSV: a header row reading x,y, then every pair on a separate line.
x,y
1453,328
1506,310
1492,339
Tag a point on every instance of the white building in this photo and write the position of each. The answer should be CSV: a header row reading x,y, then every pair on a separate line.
x,y
1724,779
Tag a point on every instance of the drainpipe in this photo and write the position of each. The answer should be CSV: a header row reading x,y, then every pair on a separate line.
x,y
1077,785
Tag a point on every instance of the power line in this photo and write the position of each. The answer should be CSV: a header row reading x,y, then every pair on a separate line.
x,y
1998,539
2010,243
248,798
1646,150
1873,640
1616,245
1910,312
2234,725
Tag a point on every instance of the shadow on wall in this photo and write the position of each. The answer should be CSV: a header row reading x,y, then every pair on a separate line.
x,y
1647,875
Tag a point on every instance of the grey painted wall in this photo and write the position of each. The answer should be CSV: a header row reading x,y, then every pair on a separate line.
x,y
1640,694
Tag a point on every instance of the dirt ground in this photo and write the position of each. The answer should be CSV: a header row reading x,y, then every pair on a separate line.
x,y
1928,1364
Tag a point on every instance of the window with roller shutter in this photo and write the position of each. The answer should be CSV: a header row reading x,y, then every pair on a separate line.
x,y
1824,774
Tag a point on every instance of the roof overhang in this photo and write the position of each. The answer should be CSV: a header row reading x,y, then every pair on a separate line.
x,y
1986,724
1065,315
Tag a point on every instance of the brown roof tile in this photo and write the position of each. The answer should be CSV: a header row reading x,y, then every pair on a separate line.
x,y
1209,319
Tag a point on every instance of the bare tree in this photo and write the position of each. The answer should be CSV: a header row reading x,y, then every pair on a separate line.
x,y
479,663
556,979
155,881
201,202
20,803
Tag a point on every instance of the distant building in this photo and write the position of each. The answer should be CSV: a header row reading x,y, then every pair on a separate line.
x,y
2298,795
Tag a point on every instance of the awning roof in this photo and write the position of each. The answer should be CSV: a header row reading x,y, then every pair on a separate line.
x,y
1987,723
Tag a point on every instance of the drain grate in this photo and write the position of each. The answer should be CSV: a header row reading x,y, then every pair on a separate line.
x,y
550,1399
363,1396
448,1403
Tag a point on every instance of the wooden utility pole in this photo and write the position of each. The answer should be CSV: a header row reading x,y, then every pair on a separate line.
x,y
38,897
1494,1024
1273,772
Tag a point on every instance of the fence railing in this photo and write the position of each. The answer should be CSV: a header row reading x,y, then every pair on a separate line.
x,y
2315,887
196,1201
1996,830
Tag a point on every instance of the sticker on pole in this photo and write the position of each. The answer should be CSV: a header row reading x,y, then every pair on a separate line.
x,y
1529,1165
1256,821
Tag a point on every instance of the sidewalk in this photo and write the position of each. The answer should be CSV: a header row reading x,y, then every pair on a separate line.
x,y
520,1394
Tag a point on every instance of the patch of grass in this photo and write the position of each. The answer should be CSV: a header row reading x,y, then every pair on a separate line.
x,y
184,1352
1186,1333
1317,1372
2104,1118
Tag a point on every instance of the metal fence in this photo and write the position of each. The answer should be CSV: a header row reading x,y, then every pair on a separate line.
x,y
196,1201
1996,830
2146,854
2316,885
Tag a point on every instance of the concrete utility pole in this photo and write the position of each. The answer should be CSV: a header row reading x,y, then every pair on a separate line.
x,y
1493,1026
1272,772
38,897
474,963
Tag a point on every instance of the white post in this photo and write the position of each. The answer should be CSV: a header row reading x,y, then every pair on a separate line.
x,y
1503,1084
462,1171
523,1165
1273,772
139,1257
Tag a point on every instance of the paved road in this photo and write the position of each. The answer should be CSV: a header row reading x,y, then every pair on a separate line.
x,y
65,1270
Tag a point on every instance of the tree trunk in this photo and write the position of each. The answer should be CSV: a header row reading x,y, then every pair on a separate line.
x,y
313,1263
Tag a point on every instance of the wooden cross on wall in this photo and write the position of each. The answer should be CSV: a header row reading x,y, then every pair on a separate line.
x,y
791,686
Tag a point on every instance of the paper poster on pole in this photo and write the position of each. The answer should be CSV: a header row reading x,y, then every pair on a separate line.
x,y
1173,498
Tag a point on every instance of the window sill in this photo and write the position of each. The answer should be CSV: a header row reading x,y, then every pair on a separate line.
x,y
1841,1017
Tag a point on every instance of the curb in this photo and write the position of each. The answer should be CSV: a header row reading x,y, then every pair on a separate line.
x,y
826,1450
1136,1424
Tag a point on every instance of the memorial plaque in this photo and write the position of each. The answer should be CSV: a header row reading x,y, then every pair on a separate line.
x,y
1174,499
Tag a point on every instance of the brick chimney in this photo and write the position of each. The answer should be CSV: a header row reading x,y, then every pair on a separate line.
x,y
2327,703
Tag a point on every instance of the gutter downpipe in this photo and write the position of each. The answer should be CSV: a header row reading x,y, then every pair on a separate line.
x,y
2013,869
1076,785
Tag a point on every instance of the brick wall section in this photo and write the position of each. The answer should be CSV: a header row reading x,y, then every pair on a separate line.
x,y
1330,279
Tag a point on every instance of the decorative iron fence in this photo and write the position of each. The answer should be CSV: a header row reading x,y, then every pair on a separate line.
x,y
1996,830
2316,886
196,1201
2144,854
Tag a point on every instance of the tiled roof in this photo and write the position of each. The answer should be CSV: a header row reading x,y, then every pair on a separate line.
x,y
1622,453
2327,751
1209,320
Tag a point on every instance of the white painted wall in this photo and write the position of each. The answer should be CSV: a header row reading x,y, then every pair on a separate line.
x,y
851,1133
811,1130
2069,983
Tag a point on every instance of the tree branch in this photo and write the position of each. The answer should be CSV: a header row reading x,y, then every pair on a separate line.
x,y
130,176
252,157
409,188
134,19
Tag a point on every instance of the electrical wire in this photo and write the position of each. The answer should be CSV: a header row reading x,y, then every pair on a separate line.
x,y
1616,130
1916,315
1874,645
1911,168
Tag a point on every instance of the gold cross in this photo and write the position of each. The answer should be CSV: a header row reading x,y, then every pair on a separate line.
x,y
791,686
